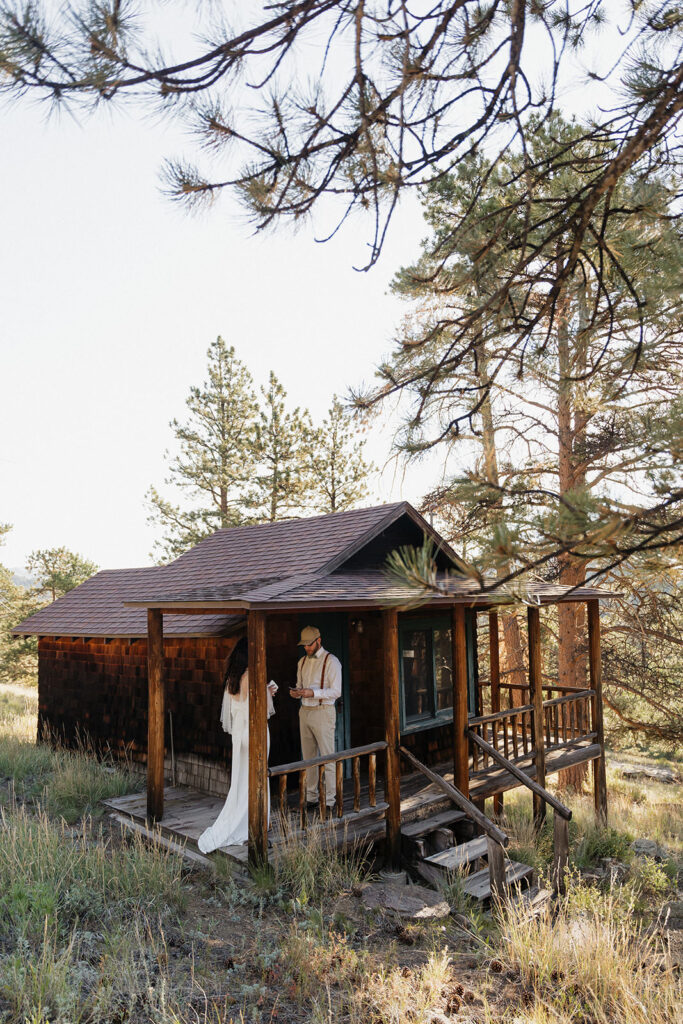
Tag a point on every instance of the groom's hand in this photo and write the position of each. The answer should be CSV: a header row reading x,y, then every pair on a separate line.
x,y
298,694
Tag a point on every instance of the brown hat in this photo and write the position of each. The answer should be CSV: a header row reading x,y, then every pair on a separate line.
x,y
308,635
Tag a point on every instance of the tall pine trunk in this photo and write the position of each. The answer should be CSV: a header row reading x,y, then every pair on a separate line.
x,y
571,434
512,661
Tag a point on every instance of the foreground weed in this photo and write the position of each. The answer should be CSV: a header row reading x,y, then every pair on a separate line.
x,y
314,962
589,959
67,782
42,985
410,996
312,868
50,872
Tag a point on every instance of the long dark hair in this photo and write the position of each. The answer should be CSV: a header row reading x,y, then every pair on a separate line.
x,y
236,665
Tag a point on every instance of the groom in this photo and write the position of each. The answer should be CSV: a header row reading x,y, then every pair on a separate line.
x,y
318,685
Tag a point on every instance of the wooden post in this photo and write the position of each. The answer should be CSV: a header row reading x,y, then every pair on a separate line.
x,y
258,739
494,662
496,859
560,852
536,687
155,715
392,779
595,669
461,768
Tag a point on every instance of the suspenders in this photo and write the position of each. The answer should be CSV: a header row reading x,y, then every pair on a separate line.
x,y
322,677
322,680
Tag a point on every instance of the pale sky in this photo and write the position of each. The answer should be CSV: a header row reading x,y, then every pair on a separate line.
x,y
111,296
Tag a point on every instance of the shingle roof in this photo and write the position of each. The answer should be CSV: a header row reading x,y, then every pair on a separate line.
x,y
297,563
269,552
367,588
262,555
96,608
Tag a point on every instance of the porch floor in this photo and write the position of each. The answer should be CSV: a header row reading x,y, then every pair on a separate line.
x,y
188,812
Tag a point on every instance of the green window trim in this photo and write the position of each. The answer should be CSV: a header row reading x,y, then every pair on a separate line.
x,y
434,718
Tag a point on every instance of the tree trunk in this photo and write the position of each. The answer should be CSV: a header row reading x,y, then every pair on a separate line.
x,y
571,434
512,663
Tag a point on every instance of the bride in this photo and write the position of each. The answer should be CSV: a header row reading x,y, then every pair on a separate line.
x,y
232,824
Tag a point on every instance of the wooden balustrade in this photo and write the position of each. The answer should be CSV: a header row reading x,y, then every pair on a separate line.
x,y
511,728
353,754
566,719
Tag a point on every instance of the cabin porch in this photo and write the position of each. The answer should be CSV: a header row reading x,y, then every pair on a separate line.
x,y
489,753
361,803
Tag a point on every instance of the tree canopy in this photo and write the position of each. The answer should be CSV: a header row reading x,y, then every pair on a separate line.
x,y
399,97
58,570
245,457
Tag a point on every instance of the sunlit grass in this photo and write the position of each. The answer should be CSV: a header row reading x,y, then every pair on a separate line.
x,y
587,958
67,782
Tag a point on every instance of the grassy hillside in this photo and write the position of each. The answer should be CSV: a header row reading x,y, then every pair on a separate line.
x,y
96,926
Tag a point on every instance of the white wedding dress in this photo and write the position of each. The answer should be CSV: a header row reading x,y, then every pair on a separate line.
x,y
232,824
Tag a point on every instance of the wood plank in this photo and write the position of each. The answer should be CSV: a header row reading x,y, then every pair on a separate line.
x,y
478,885
421,827
155,715
461,856
496,858
560,852
458,799
156,837
338,755
392,772
258,739
595,670
461,771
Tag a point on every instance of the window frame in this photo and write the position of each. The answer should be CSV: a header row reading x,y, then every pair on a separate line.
x,y
439,718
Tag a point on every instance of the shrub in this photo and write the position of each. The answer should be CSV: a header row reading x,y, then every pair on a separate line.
x,y
599,841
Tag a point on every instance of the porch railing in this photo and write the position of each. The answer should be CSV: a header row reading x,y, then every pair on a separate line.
x,y
496,838
562,814
338,758
566,719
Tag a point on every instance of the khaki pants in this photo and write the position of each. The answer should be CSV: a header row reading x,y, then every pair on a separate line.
x,y
317,726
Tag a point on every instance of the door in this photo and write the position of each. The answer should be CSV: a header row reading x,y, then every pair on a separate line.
x,y
335,636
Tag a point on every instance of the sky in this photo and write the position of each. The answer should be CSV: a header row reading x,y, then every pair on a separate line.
x,y
111,296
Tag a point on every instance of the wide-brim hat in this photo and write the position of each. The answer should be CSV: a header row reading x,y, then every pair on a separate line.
x,y
308,635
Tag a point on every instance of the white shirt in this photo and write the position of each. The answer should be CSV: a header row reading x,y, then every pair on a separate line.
x,y
309,675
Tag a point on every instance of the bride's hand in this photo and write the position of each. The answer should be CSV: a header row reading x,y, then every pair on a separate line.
x,y
272,687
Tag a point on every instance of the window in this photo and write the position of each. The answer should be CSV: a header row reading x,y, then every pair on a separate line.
x,y
426,673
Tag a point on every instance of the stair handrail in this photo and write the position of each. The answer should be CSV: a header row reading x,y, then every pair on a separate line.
x,y
487,826
522,777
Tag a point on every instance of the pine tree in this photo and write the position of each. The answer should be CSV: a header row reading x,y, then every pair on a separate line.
x,y
568,458
341,472
58,570
284,458
216,454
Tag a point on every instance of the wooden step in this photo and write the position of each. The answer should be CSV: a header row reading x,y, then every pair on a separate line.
x,y
478,885
422,826
457,857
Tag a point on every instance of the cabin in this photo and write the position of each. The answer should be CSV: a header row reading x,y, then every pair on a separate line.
x,y
427,730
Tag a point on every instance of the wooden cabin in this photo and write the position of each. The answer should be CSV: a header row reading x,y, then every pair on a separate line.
x,y
133,660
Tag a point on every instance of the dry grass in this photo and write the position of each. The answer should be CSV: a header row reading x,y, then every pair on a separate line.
x,y
68,783
311,868
587,958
